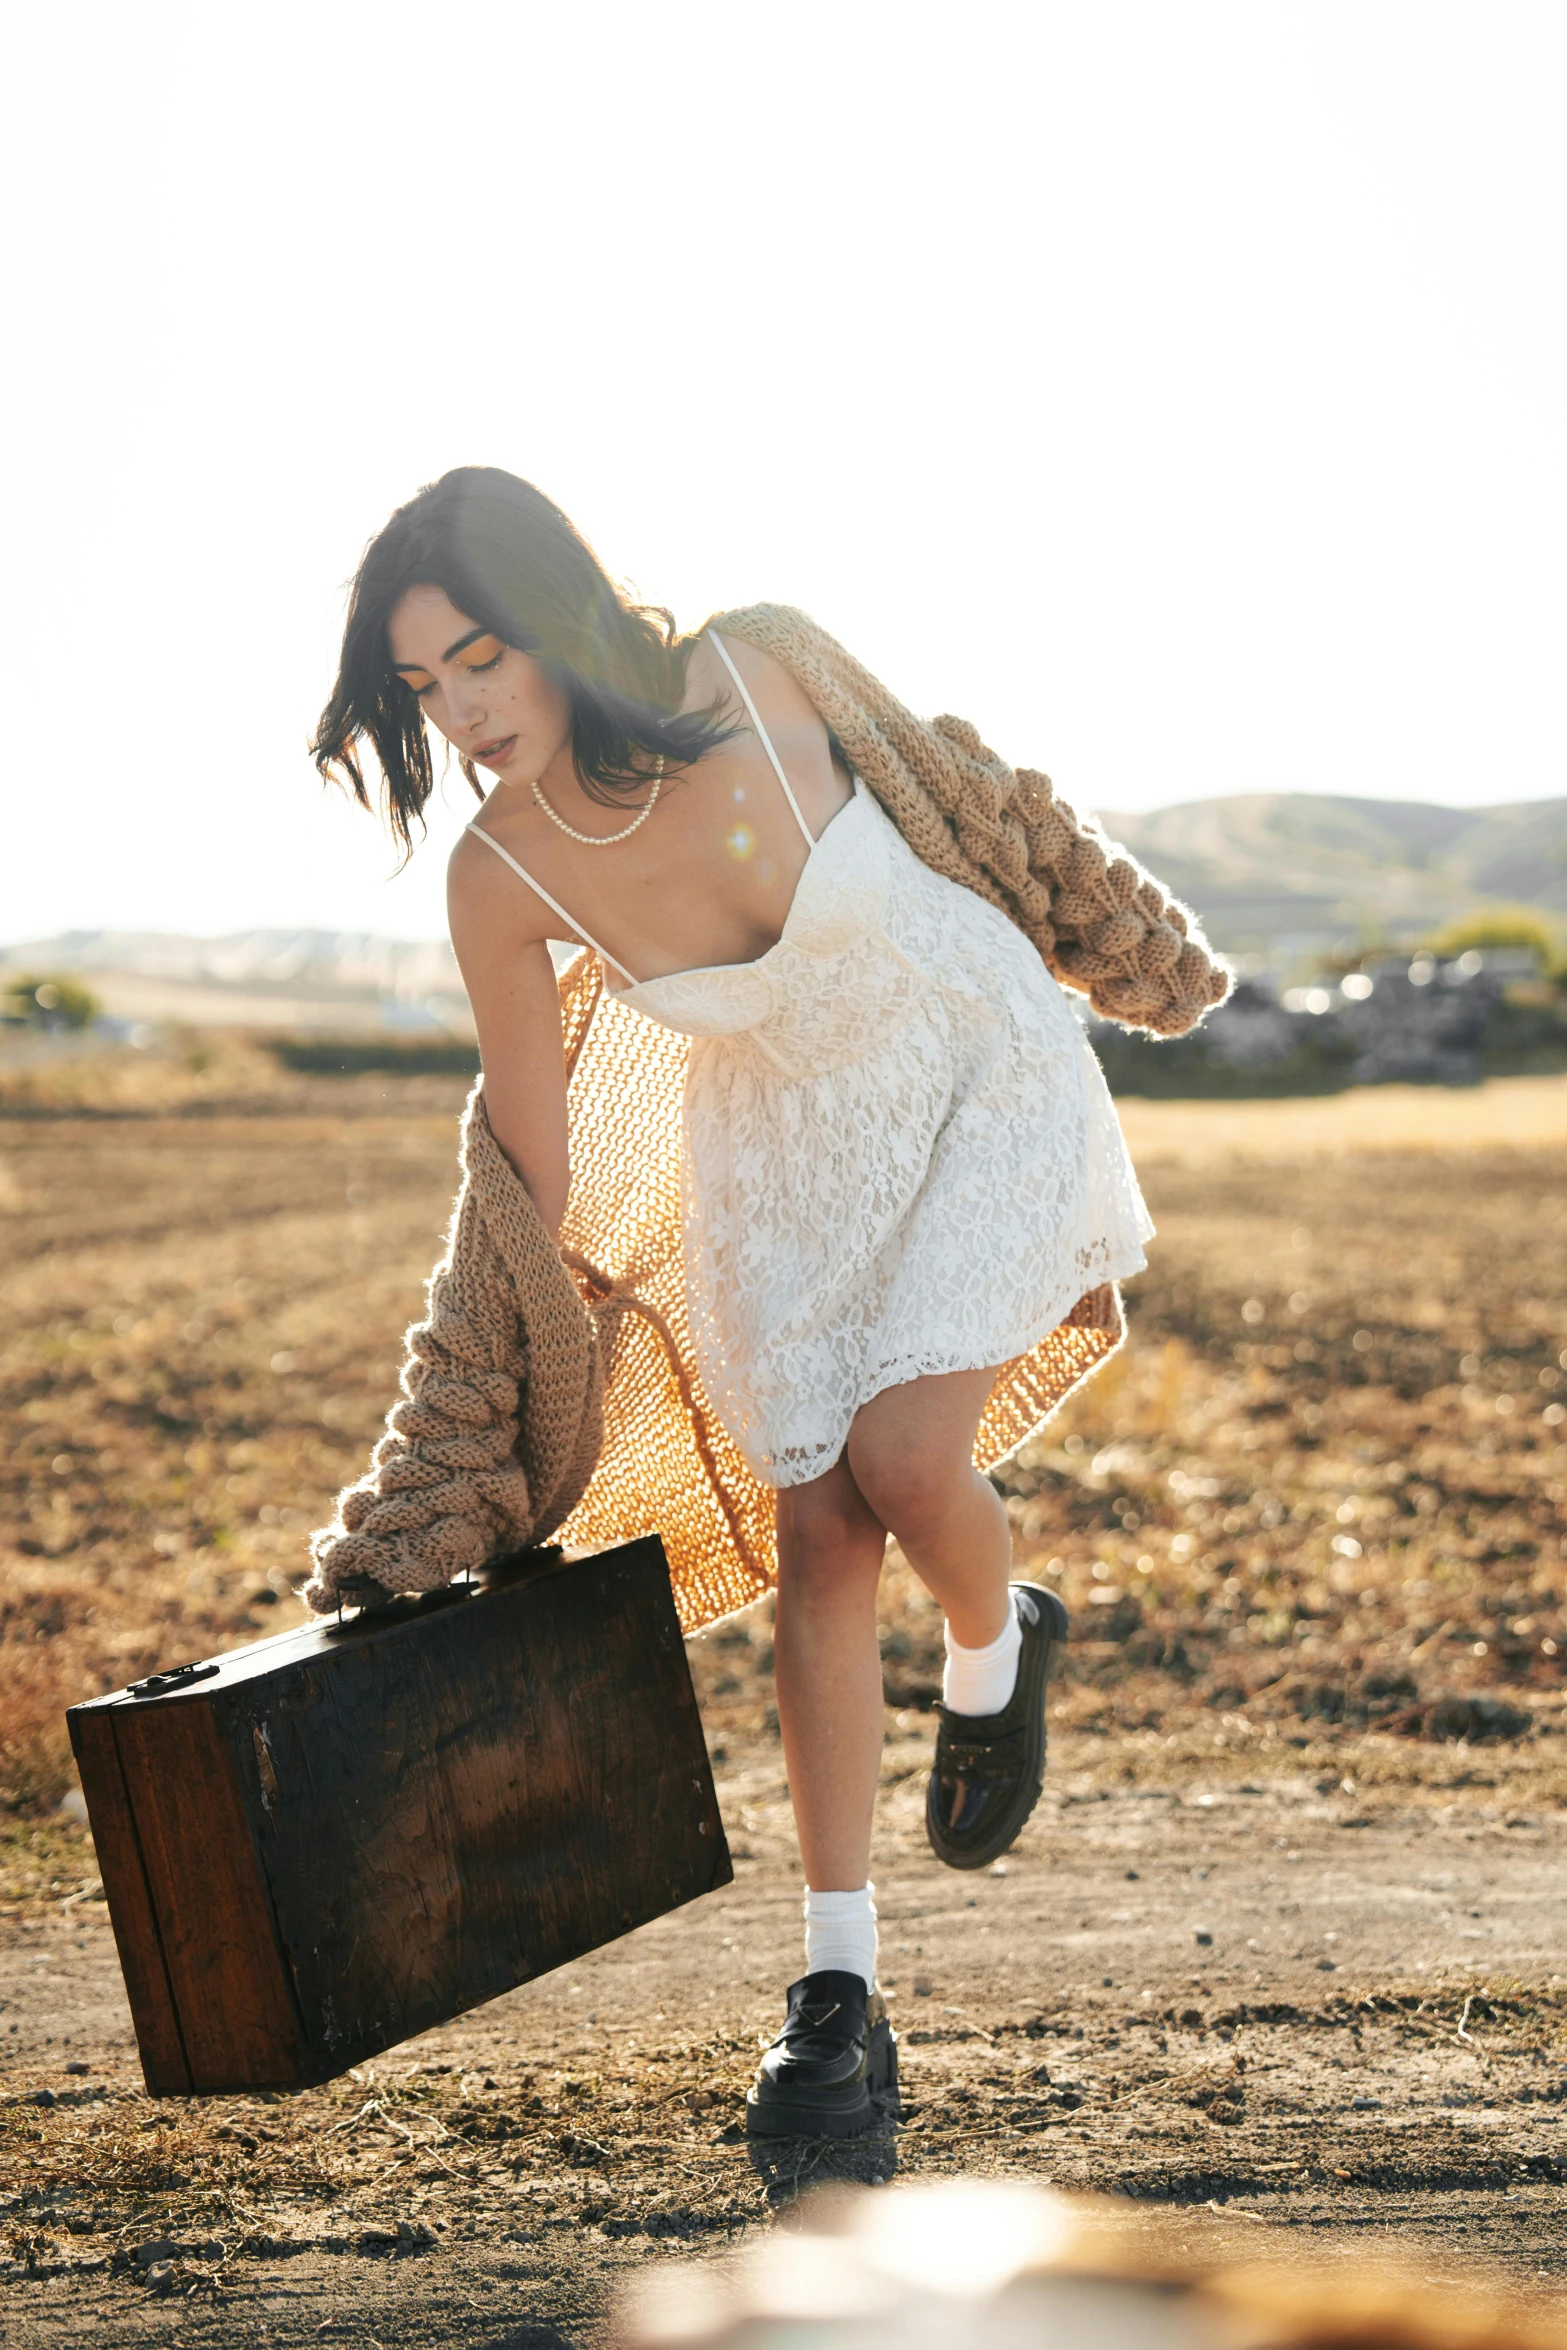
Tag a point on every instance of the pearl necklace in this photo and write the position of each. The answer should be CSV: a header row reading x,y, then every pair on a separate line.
x,y
605,840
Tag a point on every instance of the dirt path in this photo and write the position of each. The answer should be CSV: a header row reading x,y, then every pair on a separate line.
x,y
1369,2048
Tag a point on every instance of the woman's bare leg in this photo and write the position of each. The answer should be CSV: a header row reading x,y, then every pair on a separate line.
x,y
828,1668
908,1469
912,1453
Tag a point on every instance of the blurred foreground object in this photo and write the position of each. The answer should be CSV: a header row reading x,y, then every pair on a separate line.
x,y
979,2266
322,1844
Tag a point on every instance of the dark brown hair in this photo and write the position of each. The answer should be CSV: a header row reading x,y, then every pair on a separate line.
x,y
509,559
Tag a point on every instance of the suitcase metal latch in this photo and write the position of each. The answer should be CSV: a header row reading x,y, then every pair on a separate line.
x,y
178,1677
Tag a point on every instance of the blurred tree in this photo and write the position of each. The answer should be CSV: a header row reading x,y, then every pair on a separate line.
x,y
1505,926
43,1002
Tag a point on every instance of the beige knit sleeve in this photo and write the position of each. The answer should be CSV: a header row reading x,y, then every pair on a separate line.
x,y
1103,925
1136,953
498,1427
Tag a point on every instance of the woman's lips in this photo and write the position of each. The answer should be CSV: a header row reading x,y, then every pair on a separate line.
x,y
497,753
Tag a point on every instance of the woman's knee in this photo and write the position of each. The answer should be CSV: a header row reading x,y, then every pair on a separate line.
x,y
907,1480
826,1529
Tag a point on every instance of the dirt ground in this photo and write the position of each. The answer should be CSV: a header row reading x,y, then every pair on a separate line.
x,y
1247,2000
1282,1944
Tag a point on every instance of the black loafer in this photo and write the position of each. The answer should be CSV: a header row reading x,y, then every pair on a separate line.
x,y
833,2069
989,1768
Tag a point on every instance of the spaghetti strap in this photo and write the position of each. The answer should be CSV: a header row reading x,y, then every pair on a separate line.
x,y
553,904
763,736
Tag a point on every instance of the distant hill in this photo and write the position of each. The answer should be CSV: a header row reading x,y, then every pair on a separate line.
x,y
1291,871
337,981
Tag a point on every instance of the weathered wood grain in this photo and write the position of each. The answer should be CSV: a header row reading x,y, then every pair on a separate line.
x,y
417,1809
136,1936
238,2018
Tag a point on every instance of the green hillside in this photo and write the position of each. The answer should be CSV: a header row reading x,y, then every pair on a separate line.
x,y
1297,869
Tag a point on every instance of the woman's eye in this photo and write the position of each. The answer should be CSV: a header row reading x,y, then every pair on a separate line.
x,y
483,653
418,681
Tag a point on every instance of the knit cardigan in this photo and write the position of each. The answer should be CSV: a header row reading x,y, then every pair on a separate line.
x,y
552,1390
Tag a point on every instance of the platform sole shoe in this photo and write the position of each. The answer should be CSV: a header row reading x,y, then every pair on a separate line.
x,y
989,1769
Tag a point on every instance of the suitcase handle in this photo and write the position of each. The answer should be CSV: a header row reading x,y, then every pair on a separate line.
x,y
177,1677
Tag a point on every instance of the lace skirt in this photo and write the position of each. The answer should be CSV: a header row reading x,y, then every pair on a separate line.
x,y
936,1202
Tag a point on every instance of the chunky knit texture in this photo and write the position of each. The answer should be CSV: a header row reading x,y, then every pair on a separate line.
x,y
501,1420
1102,924
554,1390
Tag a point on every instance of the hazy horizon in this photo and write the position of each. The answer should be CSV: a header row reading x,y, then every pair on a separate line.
x,y
13,943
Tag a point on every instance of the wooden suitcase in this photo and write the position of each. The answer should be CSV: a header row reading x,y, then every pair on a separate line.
x,y
322,1844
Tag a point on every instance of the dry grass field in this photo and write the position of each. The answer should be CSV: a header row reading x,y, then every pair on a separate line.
x,y
1322,1484
1310,1528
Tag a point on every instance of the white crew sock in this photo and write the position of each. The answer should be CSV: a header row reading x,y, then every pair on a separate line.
x,y
840,1931
981,1680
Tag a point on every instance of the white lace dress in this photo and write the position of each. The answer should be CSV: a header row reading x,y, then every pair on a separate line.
x,y
901,1156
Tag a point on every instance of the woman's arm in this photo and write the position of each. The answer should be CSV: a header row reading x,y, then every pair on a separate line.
x,y
516,1005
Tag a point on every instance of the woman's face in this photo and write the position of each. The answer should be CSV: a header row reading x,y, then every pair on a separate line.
x,y
495,705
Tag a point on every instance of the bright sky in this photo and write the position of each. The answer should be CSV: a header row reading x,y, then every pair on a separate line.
x,y
1175,391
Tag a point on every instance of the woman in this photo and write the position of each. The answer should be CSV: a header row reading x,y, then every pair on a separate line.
x,y
901,1164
